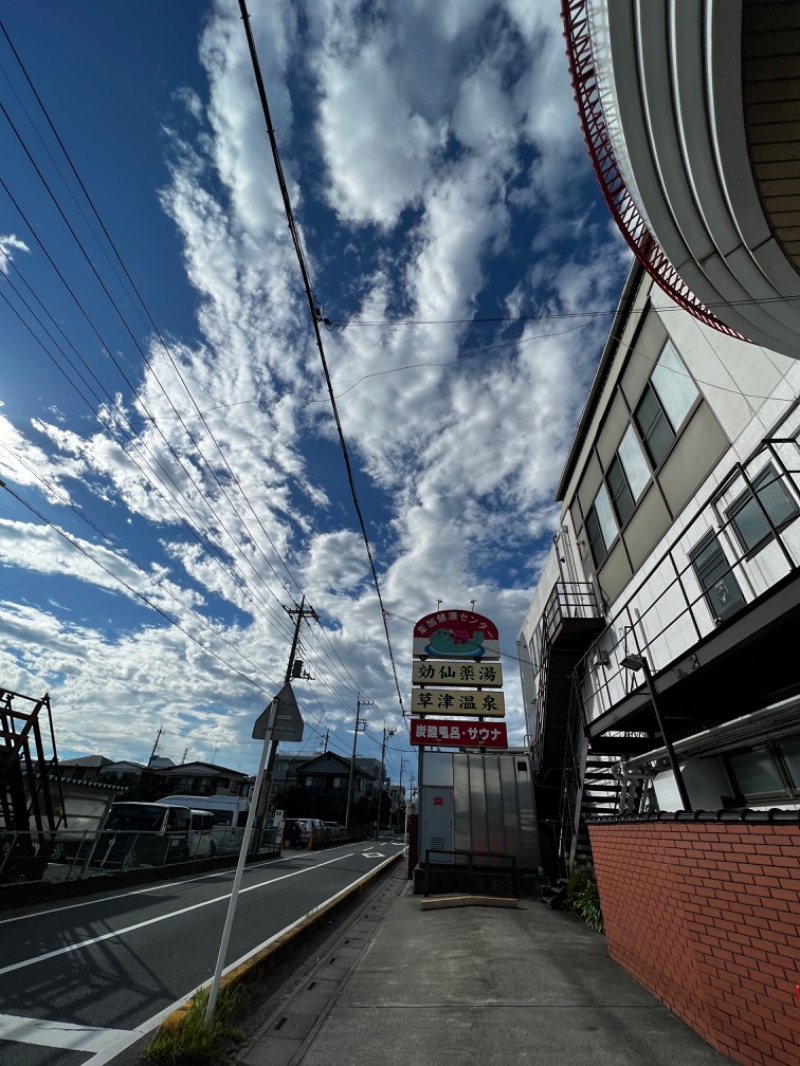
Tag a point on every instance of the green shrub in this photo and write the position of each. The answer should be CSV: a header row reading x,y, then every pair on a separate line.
x,y
575,885
587,905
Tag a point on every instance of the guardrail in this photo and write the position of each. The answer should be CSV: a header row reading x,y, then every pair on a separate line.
x,y
71,855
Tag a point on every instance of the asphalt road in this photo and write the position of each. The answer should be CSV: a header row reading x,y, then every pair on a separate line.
x,y
80,979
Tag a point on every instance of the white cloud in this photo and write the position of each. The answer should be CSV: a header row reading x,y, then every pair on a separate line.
x,y
8,245
436,133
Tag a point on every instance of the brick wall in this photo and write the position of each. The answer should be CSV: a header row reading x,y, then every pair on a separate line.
x,y
706,915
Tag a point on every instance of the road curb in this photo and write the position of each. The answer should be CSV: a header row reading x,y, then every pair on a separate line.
x,y
266,959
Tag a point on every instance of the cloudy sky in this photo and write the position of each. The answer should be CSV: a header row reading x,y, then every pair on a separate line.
x,y
174,473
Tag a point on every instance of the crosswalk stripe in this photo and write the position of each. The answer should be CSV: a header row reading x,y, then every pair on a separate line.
x,y
57,1034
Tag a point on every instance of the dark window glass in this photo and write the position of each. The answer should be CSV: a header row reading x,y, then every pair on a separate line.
x,y
595,535
790,750
756,773
748,518
656,432
722,591
621,495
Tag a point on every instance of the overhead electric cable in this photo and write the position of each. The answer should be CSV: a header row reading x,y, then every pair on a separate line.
x,y
147,361
81,513
134,592
315,320
155,482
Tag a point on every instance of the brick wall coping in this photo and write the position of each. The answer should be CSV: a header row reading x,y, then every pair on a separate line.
x,y
775,814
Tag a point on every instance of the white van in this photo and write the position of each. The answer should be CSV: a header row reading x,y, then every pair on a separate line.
x,y
229,814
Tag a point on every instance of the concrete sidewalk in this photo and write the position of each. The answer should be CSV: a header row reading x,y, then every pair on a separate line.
x,y
472,986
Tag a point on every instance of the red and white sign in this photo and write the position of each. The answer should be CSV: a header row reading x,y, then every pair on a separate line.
x,y
456,635
430,731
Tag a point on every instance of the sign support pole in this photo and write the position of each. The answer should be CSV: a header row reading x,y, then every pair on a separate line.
x,y
237,880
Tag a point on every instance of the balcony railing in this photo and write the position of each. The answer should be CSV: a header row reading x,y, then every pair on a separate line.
x,y
577,32
569,600
671,611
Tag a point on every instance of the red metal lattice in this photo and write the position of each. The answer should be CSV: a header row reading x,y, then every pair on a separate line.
x,y
595,131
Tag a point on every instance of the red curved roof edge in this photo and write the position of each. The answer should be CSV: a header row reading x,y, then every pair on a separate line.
x,y
625,212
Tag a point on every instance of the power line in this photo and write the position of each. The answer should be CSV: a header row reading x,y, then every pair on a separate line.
x,y
80,513
134,592
124,322
150,476
315,321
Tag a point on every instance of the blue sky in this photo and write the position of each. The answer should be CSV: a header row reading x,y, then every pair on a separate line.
x,y
182,438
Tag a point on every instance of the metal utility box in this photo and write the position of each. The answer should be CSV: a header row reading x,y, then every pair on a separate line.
x,y
436,822
478,803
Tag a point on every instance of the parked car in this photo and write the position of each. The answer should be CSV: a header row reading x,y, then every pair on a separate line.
x,y
296,832
333,830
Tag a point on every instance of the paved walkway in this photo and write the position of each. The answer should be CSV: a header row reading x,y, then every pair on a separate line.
x,y
474,986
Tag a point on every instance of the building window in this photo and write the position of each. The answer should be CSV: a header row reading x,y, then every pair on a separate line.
x,y
633,463
676,390
748,518
621,495
601,529
666,401
756,773
790,750
717,580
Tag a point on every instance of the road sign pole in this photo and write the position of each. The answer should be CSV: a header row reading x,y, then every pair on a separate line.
x,y
237,880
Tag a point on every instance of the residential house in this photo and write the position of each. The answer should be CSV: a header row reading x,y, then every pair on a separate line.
x,y
205,779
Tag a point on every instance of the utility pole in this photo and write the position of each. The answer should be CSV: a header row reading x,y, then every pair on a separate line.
x,y
359,704
327,736
386,733
399,793
298,614
155,746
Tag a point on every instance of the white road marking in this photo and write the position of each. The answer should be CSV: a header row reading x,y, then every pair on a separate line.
x,y
159,886
59,1034
373,854
160,918
146,1027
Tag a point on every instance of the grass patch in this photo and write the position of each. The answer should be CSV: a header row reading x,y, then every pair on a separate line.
x,y
193,1041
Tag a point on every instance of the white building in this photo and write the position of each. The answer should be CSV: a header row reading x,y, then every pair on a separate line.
x,y
680,545
690,112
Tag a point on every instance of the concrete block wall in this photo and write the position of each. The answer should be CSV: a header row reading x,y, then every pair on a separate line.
x,y
706,915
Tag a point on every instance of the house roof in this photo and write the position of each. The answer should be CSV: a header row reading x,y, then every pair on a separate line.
x,y
329,762
88,761
203,767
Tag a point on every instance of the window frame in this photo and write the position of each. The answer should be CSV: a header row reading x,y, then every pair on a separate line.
x,y
662,419
594,514
651,390
790,788
624,491
768,476
705,542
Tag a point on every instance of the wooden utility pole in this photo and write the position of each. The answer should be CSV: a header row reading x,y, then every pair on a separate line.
x,y
386,733
359,704
298,614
